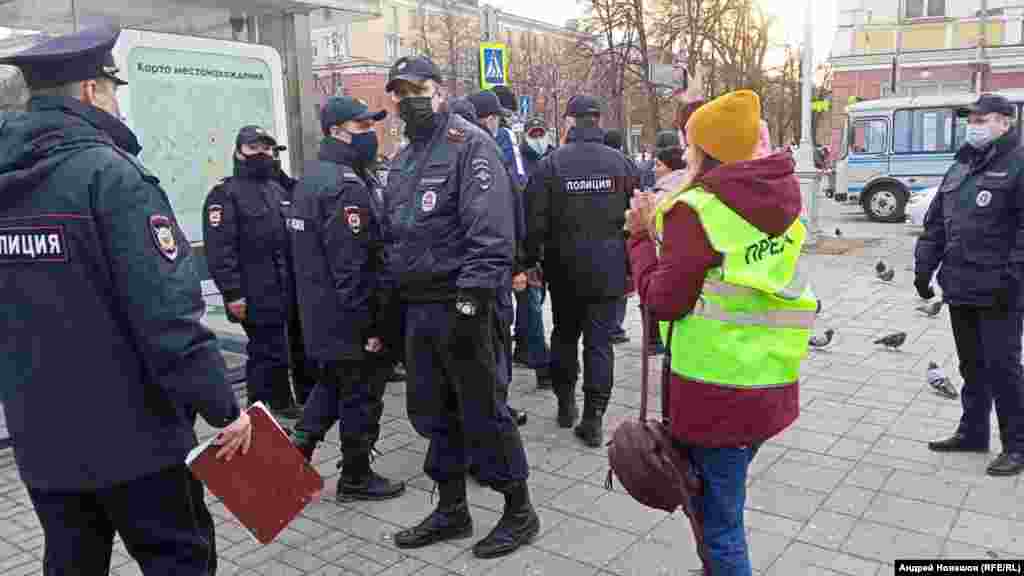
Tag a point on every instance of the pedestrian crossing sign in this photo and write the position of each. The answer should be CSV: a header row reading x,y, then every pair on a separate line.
x,y
493,65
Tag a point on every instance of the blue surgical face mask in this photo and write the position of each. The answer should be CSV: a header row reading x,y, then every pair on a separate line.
x,y
978,135
366,145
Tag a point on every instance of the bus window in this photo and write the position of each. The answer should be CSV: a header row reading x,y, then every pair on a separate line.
x,y
869,136
923,131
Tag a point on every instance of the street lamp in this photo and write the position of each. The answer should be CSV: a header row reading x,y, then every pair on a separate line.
x,y
810,179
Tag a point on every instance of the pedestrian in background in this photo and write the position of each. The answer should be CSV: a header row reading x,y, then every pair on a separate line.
x,y
531,346
734,359
973,234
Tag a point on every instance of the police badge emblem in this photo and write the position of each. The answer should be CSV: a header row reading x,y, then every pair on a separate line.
x,y
215,213
355,222
429,201
163,236
984,198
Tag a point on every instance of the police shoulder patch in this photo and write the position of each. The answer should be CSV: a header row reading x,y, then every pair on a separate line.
x,y
214,215
162,230
481,168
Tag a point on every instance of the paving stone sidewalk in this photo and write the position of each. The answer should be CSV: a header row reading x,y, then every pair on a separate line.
x,y
845,491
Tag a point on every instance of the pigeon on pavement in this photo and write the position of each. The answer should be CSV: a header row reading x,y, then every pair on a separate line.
x,y
822,341
940,383
893,341
887,275
880,267
839,233
931,309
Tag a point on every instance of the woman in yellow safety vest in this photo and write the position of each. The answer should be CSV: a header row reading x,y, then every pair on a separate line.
x,y
716,262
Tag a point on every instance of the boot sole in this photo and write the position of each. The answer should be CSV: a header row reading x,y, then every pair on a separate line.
x,y
1004,473
460,535
368,497
528,538
948,450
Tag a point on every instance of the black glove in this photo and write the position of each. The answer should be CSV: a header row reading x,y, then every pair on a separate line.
x,y
924,287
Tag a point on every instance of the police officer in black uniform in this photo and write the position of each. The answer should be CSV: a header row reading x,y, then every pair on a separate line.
x,y
303,370
105,363
974,229
576,202
447,214
489,113
246,244
338,259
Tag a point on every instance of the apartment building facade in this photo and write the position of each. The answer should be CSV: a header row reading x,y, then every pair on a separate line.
x,y
924,47
352,56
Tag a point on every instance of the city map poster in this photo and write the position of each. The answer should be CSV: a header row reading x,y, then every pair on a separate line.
x,y
187,107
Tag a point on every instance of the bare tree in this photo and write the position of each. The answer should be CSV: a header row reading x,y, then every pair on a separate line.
x,y
450,39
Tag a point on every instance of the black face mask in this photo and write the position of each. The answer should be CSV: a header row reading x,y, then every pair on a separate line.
x,y
256,167
418,114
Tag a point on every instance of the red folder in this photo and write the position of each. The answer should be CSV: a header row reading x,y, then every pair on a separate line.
x,y
265,488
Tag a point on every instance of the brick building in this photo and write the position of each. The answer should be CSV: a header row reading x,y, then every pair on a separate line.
x,y
936,45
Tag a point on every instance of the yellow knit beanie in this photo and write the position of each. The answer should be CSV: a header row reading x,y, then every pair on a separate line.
x,y
728,127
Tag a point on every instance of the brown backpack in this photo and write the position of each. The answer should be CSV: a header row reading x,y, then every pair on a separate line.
x,y
655,470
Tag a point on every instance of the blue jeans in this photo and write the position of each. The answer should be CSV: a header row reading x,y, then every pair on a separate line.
x,y
530,326
724,471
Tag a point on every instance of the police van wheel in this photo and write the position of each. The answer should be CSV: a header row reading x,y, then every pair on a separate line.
x,y
885,204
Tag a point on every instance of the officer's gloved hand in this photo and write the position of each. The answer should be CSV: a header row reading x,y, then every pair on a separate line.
x,y
924,287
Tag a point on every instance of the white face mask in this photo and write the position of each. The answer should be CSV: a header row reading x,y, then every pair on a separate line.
x,y
978,135
539,145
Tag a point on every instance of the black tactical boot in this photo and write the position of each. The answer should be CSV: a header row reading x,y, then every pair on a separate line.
x,y
449,521
567,412
518,417
1007,464
359,482
305,442
959,443
591,428
518,525
543,379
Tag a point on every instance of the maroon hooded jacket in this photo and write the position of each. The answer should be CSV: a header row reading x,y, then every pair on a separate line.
x,y
766,193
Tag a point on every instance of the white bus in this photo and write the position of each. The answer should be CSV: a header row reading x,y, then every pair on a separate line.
x,y
894,147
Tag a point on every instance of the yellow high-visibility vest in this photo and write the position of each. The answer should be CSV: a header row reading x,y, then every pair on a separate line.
x,y
751,324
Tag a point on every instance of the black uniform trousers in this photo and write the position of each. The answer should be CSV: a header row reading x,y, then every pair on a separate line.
x,y
266,369
305,371
503,341
594,319
161,518
351,391
453,394
988,342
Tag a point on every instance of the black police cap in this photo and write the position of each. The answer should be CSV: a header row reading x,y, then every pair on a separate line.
x,y
341,109
463,107
988,104
71,58
583,105
256,135
413,69
487,104
507,98
535,123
